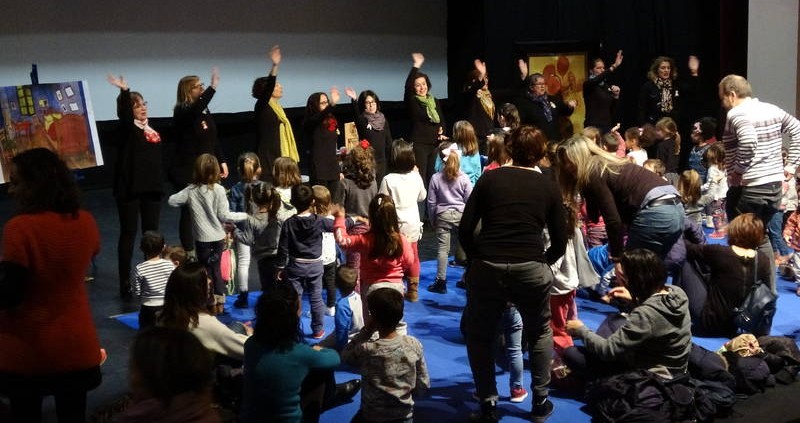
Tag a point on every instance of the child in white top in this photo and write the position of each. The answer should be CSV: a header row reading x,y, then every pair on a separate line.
x,y
321,207
407,190
150,278
716,187
209,208
636,153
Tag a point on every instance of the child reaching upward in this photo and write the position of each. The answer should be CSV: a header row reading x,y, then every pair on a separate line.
x,y
447,194
406,189
392,368
208,207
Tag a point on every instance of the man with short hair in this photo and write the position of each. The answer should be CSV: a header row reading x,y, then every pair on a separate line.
x,y
753,140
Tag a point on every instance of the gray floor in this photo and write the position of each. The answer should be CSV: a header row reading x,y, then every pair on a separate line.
x,y
115,337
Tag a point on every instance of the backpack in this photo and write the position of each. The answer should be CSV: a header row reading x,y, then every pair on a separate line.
x,y
755,313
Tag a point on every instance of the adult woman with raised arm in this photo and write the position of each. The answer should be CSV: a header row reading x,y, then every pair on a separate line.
x,y
274,135
427,118
372,126
480,107
600,96
137,180
321,131
197,134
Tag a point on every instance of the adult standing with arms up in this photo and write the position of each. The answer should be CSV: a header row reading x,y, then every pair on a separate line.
x,y
274,135
321,130
138,184
539,109
49,341
508,262
600,96
753,139
372,126
479,105
197,134
427,118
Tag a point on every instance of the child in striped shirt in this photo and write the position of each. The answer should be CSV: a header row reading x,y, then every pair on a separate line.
x,y
150,278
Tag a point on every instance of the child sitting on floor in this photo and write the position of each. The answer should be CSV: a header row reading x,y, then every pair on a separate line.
x,y
349,318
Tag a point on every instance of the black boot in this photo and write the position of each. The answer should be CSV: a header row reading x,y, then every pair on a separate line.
x,y
439,286
488,413
241,301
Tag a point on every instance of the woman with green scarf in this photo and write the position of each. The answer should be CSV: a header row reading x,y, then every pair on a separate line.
x,y
274,136
427,119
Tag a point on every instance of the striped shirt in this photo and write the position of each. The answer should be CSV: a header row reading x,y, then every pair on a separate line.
x,y
753,141
150,280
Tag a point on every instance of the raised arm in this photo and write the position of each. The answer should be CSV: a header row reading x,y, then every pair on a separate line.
x,y
124,104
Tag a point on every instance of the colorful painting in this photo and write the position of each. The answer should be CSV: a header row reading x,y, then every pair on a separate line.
x,y
564,74
56,116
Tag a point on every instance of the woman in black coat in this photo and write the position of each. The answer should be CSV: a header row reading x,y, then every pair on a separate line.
x,y
372,126
427,118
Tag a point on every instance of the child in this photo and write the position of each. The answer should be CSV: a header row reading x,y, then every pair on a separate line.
x,y
775,226
349,310
388,254
669,148
689,188
465,141
208,207
322,207
392,367
636,153
176,254
592,133
716,187
656,166
150,278
447,193
406,189
260,234
496,150
508,118
357,189
249,168
277,365
285,175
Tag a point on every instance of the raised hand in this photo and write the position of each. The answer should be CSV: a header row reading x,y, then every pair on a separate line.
x,y
214,77
275,54
480,67
350,92
694,65
117,82
618,60
523,68
418,59
334,96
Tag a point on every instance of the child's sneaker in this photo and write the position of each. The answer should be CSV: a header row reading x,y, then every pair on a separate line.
x,y
330,311
318,335
518,394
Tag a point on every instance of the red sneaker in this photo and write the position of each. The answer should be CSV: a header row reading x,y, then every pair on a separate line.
x,y
518,394
318,335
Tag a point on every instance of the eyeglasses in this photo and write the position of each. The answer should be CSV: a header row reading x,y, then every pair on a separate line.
x,y
198,85
323,102
140,105
368,102
538,84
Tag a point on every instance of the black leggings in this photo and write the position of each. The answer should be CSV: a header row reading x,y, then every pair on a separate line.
x,y
130,210
25,394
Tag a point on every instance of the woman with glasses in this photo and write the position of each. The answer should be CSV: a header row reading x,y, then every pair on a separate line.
x,y
197,134
321,130
137,183
538,108
372,126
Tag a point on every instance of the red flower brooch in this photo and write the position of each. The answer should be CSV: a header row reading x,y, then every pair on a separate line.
x,y
364,144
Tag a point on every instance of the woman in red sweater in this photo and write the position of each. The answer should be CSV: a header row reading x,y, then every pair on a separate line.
x,y
49,341
386,255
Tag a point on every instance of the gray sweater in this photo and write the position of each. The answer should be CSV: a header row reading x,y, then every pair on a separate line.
x,y
657,333
263,234
209,208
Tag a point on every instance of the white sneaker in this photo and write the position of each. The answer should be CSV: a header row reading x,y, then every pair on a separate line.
x,y
330,311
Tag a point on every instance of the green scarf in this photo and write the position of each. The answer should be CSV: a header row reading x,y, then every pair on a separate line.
x,y
430,107
288,145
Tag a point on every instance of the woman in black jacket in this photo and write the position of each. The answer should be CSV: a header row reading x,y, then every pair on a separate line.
x,y
137,184
372,126
427,118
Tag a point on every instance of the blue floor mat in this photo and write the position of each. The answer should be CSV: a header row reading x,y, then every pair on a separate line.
x,y
434,320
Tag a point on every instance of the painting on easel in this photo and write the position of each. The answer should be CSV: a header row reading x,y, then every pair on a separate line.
x,y
56,116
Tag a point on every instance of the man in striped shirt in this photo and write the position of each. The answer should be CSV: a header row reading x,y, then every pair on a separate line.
x,y
753,138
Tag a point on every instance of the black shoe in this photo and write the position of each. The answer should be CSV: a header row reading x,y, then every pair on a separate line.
x,y
241,301
461,283
488,413
455,263
344,393
439,286
542,409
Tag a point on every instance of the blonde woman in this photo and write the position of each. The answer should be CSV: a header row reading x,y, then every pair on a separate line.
x,y
624,194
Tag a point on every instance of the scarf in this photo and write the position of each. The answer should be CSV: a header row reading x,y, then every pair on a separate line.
x,y
375,121
150,134
548,111
429,102
485,96
665,86
288,144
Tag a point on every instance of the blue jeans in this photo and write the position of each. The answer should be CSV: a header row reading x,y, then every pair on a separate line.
x,y
512,323
656,228
490,286
775,232
308,277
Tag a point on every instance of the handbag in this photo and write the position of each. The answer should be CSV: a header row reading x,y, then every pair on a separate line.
x,y
755,313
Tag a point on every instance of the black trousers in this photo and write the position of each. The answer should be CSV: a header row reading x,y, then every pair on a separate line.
x,y
146,207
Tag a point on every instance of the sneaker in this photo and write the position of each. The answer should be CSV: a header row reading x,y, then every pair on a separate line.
x,y
330,311
542,409
488,413
518,394
318,335
439,286
461,283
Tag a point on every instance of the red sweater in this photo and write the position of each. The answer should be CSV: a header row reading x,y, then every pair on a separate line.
x,y
52,331
381,269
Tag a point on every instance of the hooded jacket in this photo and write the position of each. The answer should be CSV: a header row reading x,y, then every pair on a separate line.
x,y
657,333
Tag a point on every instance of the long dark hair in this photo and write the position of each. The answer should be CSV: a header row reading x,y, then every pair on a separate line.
x,y
41,181
169,362
186,296
385,228
277,321
645,273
